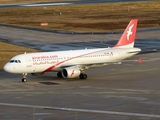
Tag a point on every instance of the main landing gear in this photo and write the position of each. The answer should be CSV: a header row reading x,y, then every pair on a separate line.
x,y
83,76
24,79
59,75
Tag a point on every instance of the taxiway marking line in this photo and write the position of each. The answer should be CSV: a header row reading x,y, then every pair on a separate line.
x,y
49,4
81,110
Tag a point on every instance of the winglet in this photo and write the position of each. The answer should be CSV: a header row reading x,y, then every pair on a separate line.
x,y
128,37
140,60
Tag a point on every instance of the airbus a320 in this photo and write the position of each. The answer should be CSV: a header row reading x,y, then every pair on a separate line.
x,y
73,64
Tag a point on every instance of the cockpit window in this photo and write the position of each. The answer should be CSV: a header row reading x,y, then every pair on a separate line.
x,y
15,61
11,61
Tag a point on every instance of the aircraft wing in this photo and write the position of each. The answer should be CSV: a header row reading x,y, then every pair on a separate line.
x,y
87,66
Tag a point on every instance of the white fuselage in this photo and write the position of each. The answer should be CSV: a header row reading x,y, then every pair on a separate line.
x,y
55,61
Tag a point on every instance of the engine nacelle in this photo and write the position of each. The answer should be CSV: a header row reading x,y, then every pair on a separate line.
x,y
70,73
37,74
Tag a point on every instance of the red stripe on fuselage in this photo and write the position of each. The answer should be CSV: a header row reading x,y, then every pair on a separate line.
x,y
52,67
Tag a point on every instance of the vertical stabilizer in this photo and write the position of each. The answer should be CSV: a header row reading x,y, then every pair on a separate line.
x,y
128,37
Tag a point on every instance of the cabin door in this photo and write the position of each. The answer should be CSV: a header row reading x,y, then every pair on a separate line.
x,y
29,61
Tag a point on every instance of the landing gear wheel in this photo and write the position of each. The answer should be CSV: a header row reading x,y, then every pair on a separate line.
x,y
83,76
59,74
24,79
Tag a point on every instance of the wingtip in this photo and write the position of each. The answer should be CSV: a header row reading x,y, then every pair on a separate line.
x,y
140,60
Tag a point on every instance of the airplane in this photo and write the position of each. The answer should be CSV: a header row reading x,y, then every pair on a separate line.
x,y
74,63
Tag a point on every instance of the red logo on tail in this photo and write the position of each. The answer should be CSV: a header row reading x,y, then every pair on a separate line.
x,y
129,32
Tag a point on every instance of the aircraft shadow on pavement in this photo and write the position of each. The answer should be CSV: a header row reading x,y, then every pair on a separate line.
x,y
49,83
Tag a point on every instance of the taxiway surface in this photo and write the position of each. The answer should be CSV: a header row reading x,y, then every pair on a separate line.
x,y
39,4
127,91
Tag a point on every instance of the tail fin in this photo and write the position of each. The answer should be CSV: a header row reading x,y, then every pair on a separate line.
x,y
128,37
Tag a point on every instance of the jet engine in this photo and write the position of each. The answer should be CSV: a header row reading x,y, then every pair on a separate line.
x,y
70,73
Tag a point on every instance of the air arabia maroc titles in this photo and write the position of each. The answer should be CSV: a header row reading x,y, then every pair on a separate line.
x,y
37,60
73,64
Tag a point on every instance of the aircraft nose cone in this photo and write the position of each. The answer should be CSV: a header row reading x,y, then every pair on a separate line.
x,y
6,68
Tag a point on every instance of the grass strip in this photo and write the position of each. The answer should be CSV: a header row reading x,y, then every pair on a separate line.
x,y
85,18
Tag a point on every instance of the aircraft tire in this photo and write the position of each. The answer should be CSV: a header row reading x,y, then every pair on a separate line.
x,y
59,74
83,76
24,79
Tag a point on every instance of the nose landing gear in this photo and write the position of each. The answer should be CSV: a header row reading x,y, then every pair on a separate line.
x,y
24,79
